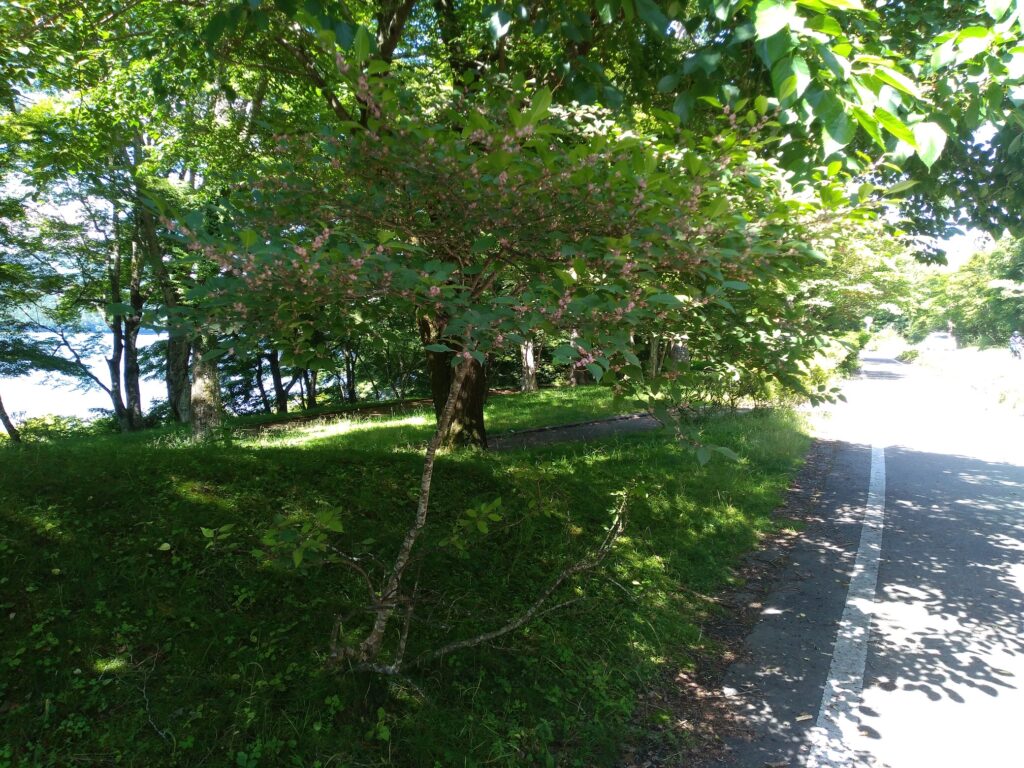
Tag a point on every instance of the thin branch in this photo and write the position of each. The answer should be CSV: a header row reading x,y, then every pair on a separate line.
x,y
614,531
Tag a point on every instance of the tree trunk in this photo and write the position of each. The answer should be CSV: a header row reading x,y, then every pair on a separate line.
x,y
179,385
132,325
12,431
528,377
576,375
350,376
259,384
179,348
206,405
280,393
654,360
114,367
467,423
309,378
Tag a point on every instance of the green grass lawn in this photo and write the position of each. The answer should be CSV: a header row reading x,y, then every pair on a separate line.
x,y
128,640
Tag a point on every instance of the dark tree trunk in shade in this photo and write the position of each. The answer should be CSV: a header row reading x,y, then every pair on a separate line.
x,y
350,376
528,376
467,423
132,326
206,404
309,378
12,431
179,392
264,400
280,392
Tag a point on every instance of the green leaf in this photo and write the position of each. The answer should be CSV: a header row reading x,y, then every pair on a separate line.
x,y
164,547
215,28
771,16
903,186
438,348
649,11
361,45
791,76
249,237
826,24
930,139
683,106
596,371
539,104
703,455
668,83
207,532
869,124
970,42
895,126
898,80
297,556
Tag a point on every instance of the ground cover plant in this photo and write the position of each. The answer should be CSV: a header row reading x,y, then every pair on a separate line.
x,y
141,629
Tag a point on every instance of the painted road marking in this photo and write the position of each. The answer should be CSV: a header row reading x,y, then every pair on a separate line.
x,y
836,726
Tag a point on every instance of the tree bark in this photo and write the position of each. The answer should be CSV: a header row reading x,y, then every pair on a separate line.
x,y
528,376
350,376
466,426
12,431
309,377
179,348
259,384
132,325
280,393
654,360
206,404
114,367
576,375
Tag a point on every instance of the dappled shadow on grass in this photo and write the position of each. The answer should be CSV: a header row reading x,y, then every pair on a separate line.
x,y
130,636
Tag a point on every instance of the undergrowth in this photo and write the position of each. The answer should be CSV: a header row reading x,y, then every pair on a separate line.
x,y
132,638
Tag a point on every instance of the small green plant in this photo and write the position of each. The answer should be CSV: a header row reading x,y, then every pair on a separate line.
x,y
908,355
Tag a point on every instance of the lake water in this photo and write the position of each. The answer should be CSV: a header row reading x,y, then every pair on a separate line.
x,y
41,394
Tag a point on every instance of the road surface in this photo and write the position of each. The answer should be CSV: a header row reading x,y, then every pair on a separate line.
x,y
896,636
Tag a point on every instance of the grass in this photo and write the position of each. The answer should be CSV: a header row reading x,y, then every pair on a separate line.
x,y
129,638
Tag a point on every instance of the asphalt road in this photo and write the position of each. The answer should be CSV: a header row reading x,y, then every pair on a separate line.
x,y
896,635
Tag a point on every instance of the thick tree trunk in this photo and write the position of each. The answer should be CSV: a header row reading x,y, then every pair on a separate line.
x,y
280,393
309,378
528,376
467,423
179,385
132,387
12,431
206,404
179,348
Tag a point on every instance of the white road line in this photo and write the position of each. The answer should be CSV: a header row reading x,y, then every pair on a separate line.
x,y
833,732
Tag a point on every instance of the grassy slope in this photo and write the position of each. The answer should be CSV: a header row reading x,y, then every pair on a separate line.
x,y
114,645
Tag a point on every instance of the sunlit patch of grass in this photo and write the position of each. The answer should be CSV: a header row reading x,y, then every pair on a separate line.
x,y
112,665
